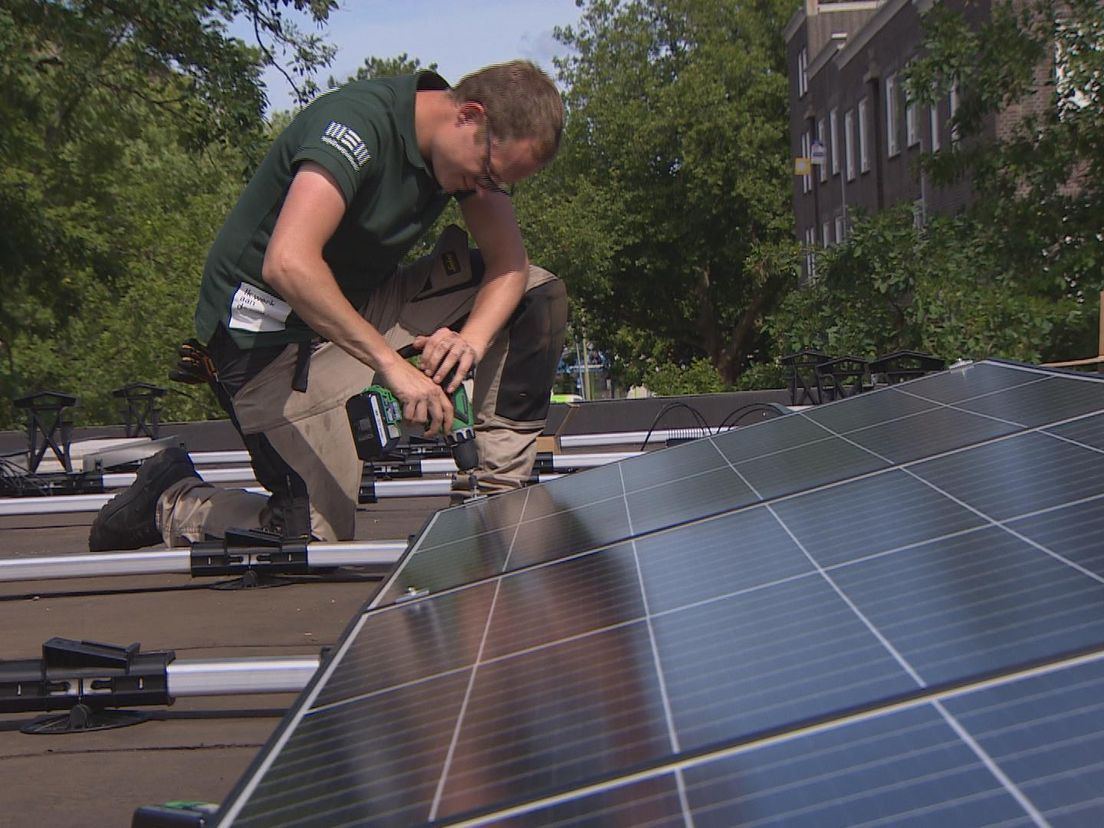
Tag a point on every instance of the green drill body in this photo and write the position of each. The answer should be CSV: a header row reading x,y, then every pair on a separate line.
x,y
375,416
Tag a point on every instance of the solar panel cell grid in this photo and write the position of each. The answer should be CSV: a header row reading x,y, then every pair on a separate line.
x,y
1047,734
485,515
565,532
808,466
979,602
406,644
574,597
908,768
757,661
584,707
709,493
868,409
652,803
737,661
1037,403
1016,476
718,557
780,434
568,493
875,514
1075,532
937,430
376,760
1088,431
446,564
971,381
671,464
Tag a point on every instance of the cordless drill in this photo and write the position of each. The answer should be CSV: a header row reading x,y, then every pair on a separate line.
x,y
375,416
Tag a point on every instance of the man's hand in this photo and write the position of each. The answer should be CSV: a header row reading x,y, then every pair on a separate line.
x,y
422,399
444,350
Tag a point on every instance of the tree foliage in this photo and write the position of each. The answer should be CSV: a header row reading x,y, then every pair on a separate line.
x,y
377,67
939,289
672,183
1040,186
126,130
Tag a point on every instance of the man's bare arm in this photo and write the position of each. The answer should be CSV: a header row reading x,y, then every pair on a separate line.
x,y
490,218
294,267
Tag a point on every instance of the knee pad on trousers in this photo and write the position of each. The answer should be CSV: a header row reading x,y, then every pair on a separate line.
x,y
536,334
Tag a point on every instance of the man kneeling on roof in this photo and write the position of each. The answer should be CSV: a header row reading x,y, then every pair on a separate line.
x,y
304,303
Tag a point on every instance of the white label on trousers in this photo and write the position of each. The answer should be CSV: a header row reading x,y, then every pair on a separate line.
x,y
253,309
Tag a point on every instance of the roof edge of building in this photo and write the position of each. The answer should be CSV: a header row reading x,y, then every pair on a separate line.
x,y
865,33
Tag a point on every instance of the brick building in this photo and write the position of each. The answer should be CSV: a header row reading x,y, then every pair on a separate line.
x,y
846,59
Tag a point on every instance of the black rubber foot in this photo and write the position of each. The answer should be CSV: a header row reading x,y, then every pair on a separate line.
x,y
252,579
83,719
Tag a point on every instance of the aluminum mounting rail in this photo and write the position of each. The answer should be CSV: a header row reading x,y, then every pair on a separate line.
x,y
382,553
627,438
225,676
412,487
66,504
441,465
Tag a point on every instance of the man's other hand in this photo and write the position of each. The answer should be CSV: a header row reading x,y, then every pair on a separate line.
x,y
422,399
444,350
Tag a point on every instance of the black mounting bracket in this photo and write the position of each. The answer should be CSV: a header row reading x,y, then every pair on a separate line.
x,y
142,414
901,366
250,550
842,377
804,385
84,678
47,417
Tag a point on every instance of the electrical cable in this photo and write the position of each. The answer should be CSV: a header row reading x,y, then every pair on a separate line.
x,y
738,414
702,424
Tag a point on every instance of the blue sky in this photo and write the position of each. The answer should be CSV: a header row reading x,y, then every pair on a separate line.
x,y
459,36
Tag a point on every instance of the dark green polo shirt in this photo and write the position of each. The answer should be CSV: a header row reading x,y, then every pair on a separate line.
x,y
362,133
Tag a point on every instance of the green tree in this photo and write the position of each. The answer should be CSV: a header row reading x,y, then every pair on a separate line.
x,y
377,67
940,289
1039,205
122,128
671,189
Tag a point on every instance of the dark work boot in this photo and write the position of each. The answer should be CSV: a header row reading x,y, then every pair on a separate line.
x,y
129,520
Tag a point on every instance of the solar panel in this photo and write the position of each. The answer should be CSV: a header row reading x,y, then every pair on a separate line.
x,y
885,610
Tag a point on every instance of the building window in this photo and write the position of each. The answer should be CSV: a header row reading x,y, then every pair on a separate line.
x,y
849,144
841,229
833,129
912,123
933,116
806,149
864,145
892,144
823,166
826,234
954,101
802,72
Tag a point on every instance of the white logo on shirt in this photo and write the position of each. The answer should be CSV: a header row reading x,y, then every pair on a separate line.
x,y
348,143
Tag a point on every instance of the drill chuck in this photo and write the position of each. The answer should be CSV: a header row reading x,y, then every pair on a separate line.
x,y
464,451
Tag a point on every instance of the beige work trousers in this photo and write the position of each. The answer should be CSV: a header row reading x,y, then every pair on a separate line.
x,y
311,431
